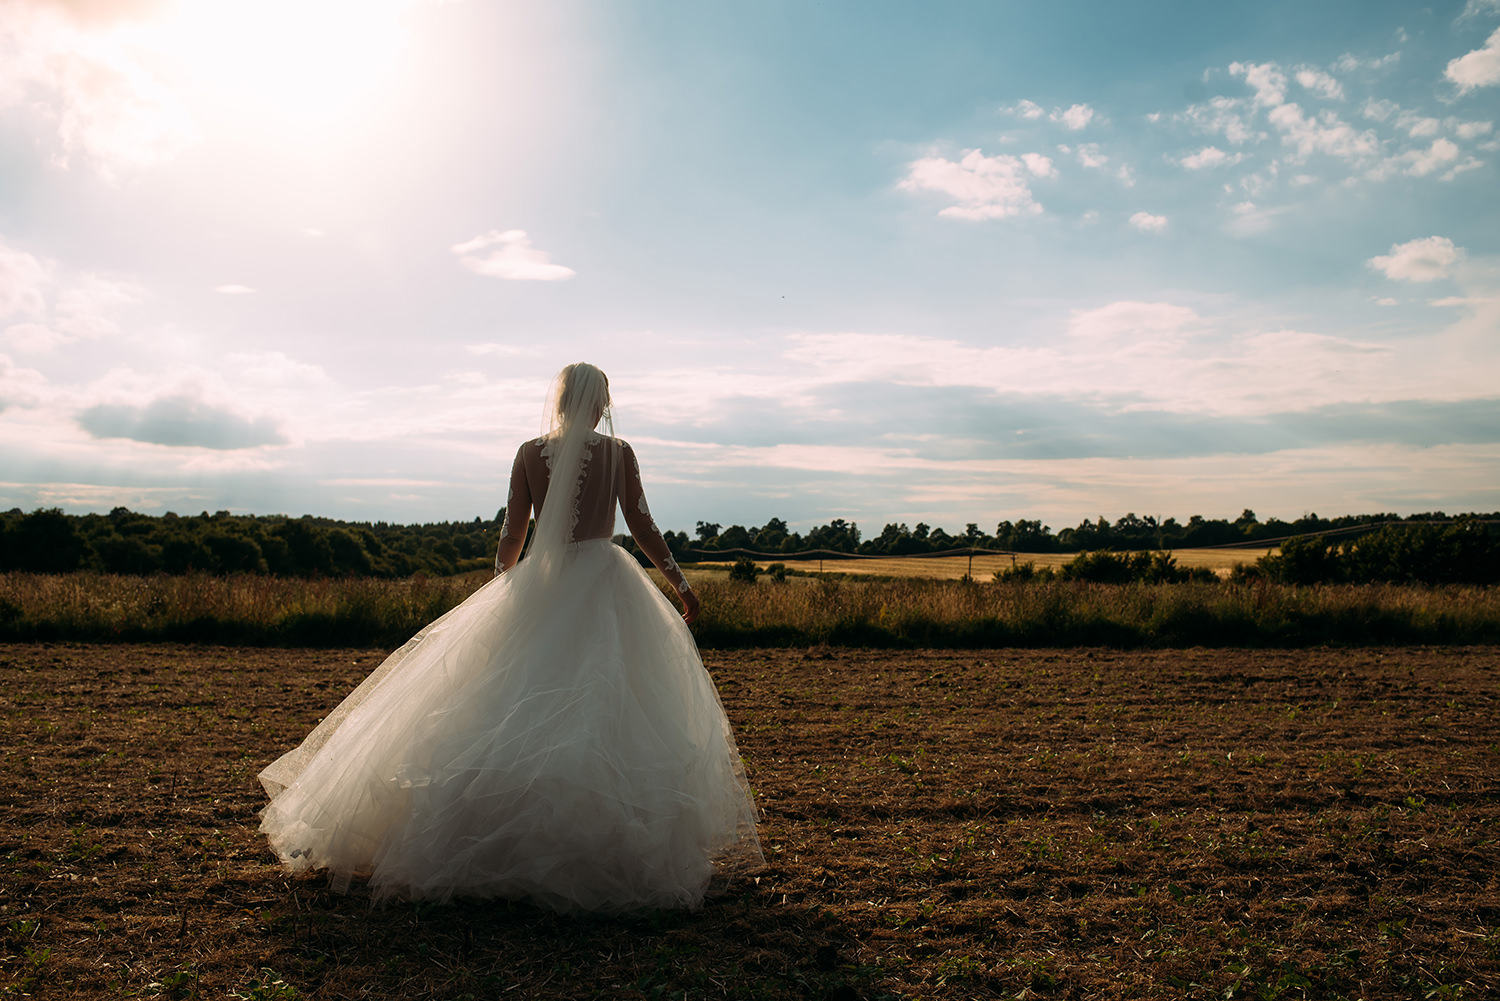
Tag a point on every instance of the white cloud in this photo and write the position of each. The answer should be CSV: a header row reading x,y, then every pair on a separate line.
x,y
234,289
56,312
1039,165
1250,218
22,279
1075,118
86,306
20,387
1210,156
1462,300
1267,79
1480,68
1348,62
1090,157
1321,84
1474,8
312,232
31,338
1325,133
1221,116
1146,222
509,254
1421,162
1135,355
1140,322
104,101
1461,168
985,187
500,350
1387,301
1418,126
1423,260
274,368
1426,161
1255,184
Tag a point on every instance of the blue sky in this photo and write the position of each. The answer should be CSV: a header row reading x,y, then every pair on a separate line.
x,y
885,262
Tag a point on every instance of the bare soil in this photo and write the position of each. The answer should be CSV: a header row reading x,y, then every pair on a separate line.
x,y
1059,823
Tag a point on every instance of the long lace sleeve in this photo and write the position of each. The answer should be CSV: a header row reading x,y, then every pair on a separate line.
x,y
642,526
517,516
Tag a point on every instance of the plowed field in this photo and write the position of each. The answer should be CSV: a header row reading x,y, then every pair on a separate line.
x,y
1066,824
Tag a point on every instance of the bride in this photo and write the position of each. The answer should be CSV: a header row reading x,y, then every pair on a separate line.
x,y
555,737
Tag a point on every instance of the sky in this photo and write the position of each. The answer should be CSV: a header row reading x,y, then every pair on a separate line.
x,y
880,261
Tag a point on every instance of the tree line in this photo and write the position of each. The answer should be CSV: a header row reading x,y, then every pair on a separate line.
x,y
1130,533
48,540
126,542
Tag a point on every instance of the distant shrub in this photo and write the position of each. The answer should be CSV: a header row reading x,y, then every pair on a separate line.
x,y
777,572
1101,568
1463,553
1302,560
1247,573
745,570
1125,568
1133,568
1023,572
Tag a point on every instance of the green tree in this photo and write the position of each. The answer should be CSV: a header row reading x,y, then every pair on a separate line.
x,y
350,557
126,555
43,541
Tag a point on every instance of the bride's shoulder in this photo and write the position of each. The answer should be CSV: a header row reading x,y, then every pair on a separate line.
x,y
620,443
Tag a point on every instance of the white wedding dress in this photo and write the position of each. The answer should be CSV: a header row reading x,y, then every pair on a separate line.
x,y
554,738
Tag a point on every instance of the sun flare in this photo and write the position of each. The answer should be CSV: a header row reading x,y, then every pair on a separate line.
x,y
308,62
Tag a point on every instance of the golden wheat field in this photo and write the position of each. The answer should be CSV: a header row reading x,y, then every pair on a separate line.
x,y
1221,561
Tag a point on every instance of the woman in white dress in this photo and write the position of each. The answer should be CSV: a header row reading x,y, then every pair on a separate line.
x,y
555,737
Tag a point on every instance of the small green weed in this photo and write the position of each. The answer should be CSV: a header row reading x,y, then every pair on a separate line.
x,y
269,986
180,983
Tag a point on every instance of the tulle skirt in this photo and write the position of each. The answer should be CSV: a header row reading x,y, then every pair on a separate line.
x,y
558,741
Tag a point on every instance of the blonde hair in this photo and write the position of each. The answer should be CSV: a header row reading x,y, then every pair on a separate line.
x,y
582,391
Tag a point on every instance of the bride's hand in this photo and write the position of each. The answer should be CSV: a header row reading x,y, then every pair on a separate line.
x,y
689,606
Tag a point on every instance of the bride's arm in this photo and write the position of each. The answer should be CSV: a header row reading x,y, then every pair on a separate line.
x,y
647,535
517,515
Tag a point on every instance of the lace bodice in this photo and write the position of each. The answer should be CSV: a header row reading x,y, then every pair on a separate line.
x,y
609,476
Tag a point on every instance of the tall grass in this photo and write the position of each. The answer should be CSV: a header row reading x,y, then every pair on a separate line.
x,y
926,613
269,611
245,609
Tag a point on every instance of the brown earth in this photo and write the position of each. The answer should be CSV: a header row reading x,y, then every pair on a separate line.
x,y
1069,824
